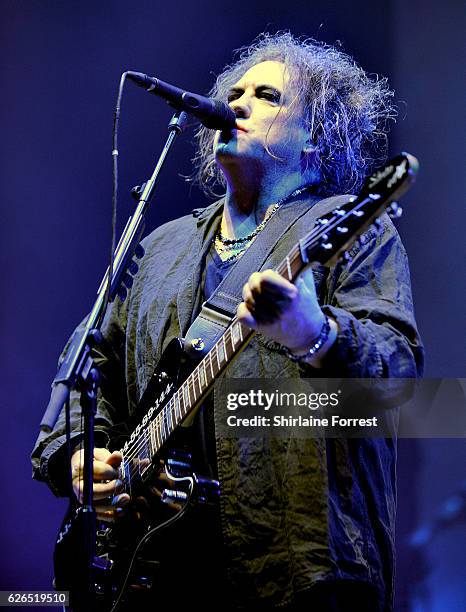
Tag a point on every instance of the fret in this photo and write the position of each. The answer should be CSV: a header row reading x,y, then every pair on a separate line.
x,y
170,424
156,434
185,398
150,446
209,356
154,442
179,395
176,401
160,427
288,268
225,345
193,386
220,354
164,425
240,329
125,475
202,373
196,373
175,410
235,334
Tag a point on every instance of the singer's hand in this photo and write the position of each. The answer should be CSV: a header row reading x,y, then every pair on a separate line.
x,y
107,497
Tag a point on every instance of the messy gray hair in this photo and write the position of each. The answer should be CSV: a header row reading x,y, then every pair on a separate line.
x,y
346,111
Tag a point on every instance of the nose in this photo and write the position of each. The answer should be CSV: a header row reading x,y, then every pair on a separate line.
x,y
241,107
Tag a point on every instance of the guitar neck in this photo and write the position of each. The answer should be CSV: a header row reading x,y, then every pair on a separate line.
x,y
159,424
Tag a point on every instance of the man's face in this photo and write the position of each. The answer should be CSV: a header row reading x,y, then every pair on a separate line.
x,y
262,101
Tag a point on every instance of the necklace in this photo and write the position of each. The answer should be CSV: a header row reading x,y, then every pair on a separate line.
x,y
239,245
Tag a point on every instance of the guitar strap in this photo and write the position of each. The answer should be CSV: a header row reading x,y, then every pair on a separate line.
x,y
216,312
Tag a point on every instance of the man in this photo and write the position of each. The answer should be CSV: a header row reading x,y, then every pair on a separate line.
x,y
301,524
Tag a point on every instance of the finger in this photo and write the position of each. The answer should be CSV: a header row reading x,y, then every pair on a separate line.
x,y
108,514
114,458
103,490
273,282
77,460
306,283
104,471
245,316
246,293
120,500
254,282
101,454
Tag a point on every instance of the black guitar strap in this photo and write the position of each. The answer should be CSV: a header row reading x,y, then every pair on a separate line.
x,y
216,312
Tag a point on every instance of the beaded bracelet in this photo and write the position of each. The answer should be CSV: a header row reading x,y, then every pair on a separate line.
x,y
316,344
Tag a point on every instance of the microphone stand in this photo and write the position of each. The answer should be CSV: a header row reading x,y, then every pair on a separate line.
x,y
78,369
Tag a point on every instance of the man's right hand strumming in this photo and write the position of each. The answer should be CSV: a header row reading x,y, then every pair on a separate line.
x,y
108,499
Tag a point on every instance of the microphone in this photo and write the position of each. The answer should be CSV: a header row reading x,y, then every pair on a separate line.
x,y
214,114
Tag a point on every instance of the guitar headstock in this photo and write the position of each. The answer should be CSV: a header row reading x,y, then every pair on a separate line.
x,y
336,232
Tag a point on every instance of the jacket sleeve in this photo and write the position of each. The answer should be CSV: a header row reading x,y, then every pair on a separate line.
x,y
370,298
49,456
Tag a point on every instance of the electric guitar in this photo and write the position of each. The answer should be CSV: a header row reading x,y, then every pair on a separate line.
x,y
123,562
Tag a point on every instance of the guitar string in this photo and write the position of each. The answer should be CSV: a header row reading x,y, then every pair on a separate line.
x,y
190,383
160,418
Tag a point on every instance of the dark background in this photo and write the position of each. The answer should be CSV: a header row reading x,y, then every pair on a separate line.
x,y
60,66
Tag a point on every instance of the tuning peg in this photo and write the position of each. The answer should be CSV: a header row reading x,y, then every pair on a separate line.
x,y
394,210
327,246
122,293
358,213
378,225
128,280
322,221
342,230
95,336
133,267
139,251
136,192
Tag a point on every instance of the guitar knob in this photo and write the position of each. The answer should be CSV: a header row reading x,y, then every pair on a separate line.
x,y
172,496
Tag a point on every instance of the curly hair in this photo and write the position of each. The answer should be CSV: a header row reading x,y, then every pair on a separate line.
x,y
346,110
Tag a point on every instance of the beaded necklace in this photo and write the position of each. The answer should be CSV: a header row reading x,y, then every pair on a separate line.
x,y
240,245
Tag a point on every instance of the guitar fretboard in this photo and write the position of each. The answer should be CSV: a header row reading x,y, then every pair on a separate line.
x,y
159,424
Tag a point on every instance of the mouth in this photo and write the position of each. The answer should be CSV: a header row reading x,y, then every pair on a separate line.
x,y
240,127
227,135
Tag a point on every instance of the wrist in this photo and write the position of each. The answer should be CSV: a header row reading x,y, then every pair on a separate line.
x,y
314,345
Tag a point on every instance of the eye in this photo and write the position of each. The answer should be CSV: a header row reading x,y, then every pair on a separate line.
x,y
234,95
271,95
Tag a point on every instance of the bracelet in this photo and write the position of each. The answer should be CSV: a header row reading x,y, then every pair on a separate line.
x,y
316,344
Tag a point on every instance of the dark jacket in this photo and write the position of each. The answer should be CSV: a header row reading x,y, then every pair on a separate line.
x,y
294,511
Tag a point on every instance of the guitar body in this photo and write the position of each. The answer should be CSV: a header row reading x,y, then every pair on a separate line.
x,y
127,552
